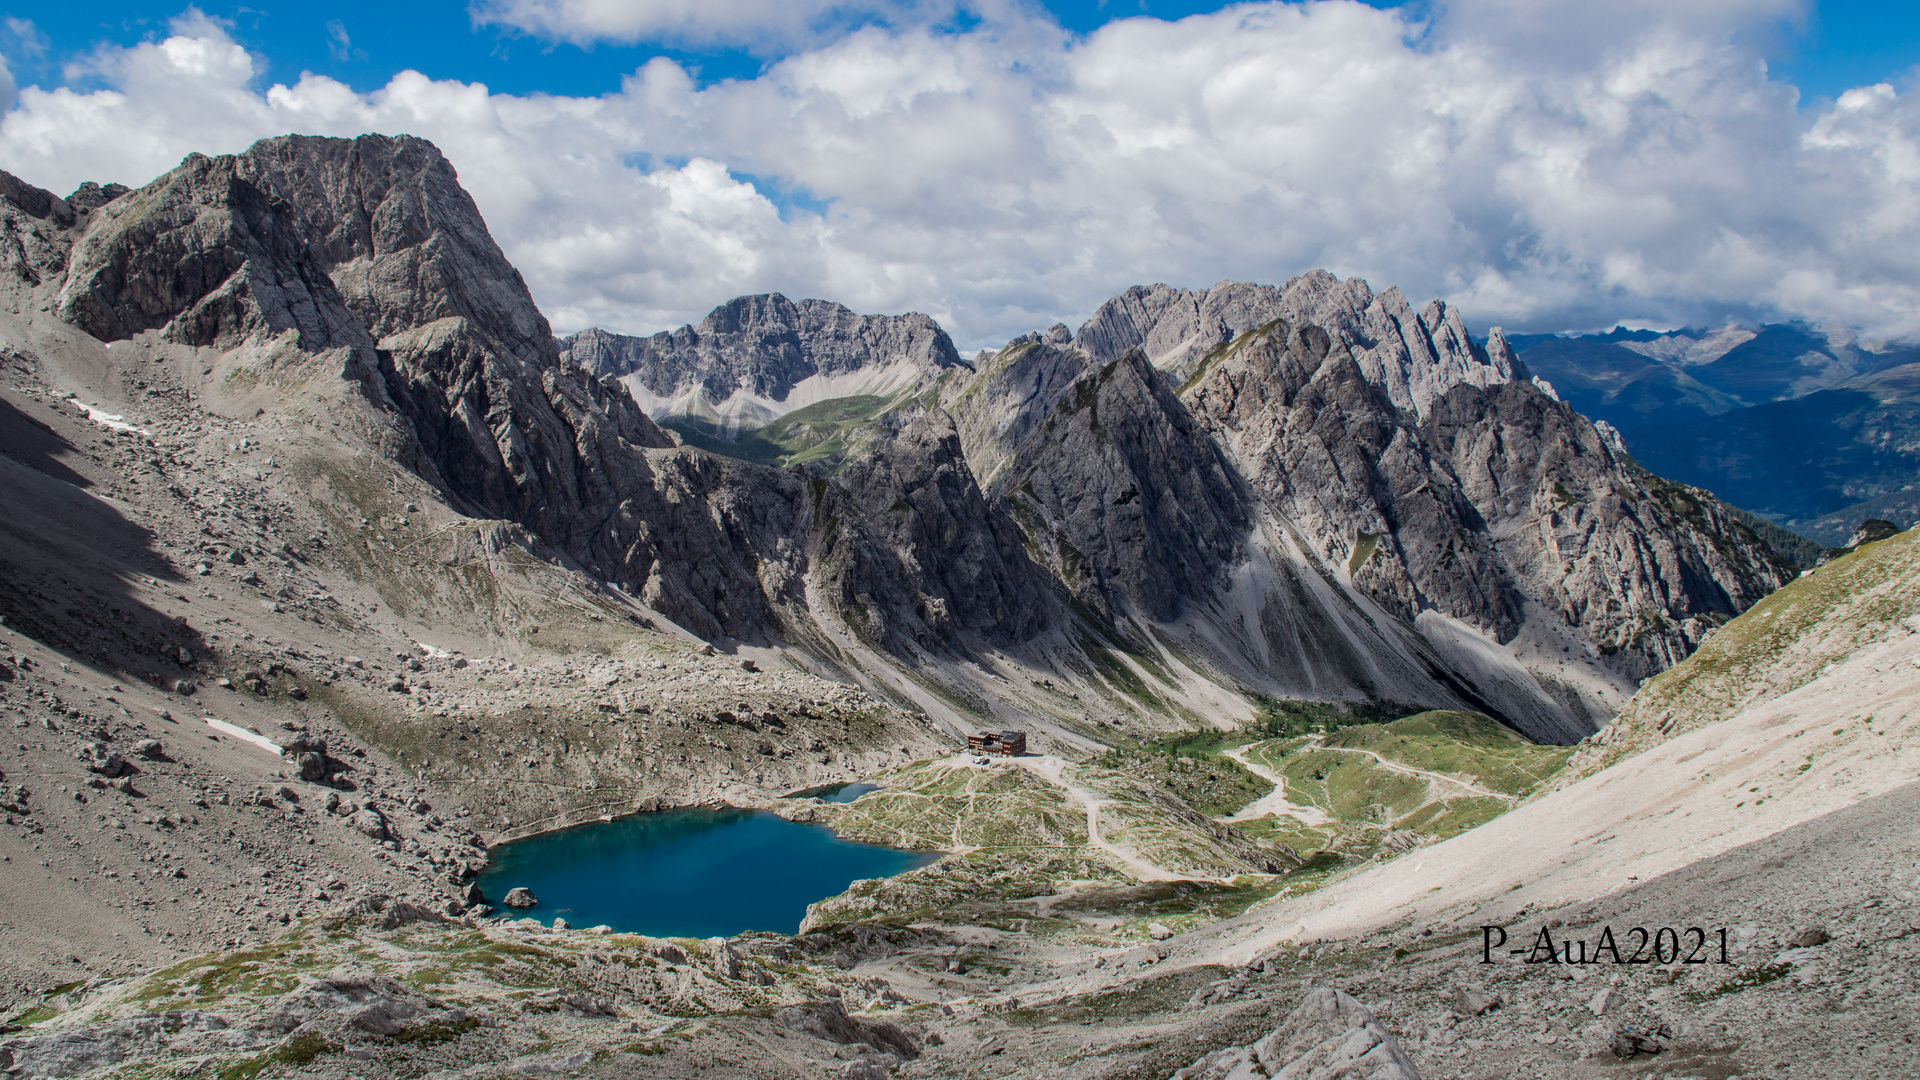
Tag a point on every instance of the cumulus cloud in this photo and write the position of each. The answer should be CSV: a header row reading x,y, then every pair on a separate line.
x,y
1625,163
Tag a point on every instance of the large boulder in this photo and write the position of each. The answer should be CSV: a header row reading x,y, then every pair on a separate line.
x,y
104,760
372,823
520,898
1330,1036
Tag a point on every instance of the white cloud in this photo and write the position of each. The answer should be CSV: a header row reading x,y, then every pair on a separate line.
x,y
1610,162
760,25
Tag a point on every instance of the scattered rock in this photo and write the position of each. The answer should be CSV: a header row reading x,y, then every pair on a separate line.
x,y
1159,931
520,898
84,1049
372,823
1607,999
1808,938
150,749
375,1005
1632,1040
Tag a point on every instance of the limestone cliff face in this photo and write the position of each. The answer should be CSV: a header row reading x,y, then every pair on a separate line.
x,y
1640,566
915,555
370,247
1326,448
1503,509
997,407
1133,504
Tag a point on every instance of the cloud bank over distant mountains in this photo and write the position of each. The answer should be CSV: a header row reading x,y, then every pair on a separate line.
x,y
1544,164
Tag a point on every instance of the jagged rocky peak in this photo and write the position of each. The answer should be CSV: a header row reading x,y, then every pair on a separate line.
x,y
1415,356
755,358
344,241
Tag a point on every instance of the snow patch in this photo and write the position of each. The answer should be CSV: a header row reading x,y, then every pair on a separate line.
x,y
243,734
105,419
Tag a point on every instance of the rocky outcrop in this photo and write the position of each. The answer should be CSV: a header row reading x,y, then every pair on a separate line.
x,y
369,250
1326,448
1503,509
34,240
1332,493
762,346
1639,566
1009,396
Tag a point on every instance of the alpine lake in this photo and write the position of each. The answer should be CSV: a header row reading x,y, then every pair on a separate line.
x,y
691,873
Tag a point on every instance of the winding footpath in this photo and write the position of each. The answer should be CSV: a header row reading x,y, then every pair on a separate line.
x,y
1432,777
1276,803
1051,769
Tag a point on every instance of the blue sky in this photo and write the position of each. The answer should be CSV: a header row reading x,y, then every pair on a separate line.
x,y
1544,164
364,44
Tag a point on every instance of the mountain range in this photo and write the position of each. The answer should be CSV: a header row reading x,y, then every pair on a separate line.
x,y
329,568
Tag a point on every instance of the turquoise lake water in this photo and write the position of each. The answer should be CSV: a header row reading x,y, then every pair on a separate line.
x,y
686,873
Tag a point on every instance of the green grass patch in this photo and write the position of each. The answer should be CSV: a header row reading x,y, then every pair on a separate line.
x,y
1213,785
1466,744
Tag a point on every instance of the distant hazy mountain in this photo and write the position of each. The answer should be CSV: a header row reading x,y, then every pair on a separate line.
x,y
1809,428
1819,464
1632,378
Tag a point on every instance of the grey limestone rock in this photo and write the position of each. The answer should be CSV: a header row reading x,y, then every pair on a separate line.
x,y
1413,356
1288,462
1011,394
1641,567
520,898
1133,504
371,823
106,761
84,1049
1329,1036
355,1004
920,554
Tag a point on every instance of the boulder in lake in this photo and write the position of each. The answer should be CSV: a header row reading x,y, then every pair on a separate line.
x,y
520,898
